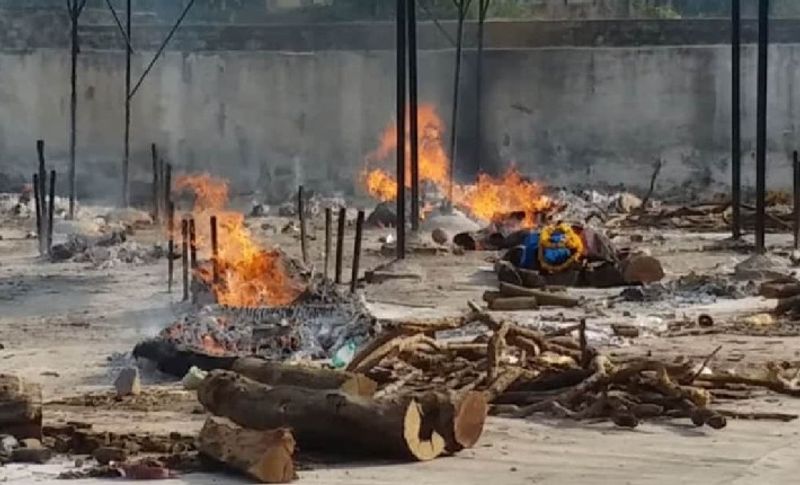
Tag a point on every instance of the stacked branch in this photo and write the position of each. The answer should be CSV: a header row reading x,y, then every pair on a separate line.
x,y
523,372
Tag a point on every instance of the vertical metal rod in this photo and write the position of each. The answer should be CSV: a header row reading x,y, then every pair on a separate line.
x,y
796,192
171,245
301,211
214,249
401,129
73,106
168,185
193,243
42,195
463,5
38,201
357,251
162,189
413,123
761,124
328,224
185,257
736,118
156,195
51,210
126,157
340,245
483,7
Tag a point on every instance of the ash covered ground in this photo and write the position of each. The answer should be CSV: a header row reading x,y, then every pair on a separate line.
x,y
72,324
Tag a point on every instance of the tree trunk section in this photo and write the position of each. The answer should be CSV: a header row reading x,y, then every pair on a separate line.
x,y
325,420
458,418
265,456
277,374
20,407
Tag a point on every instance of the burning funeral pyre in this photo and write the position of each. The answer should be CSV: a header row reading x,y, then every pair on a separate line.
x,y
261,302
490,199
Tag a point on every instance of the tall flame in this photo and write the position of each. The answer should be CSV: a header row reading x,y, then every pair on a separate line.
x,y
487,199
250,275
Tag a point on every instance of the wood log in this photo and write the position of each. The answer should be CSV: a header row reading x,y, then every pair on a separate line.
x,y
458,417
642,269
512,304
325,420
278,374
382,347
779,289
265,456
545,298
20,407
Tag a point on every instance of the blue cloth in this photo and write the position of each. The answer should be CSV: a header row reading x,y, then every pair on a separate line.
x,y
531,249
553,256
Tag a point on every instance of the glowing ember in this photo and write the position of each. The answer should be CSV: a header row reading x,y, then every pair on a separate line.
x,y
488,199
250,276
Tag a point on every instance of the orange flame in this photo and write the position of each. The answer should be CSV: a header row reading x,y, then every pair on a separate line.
x,y
488,198
250,276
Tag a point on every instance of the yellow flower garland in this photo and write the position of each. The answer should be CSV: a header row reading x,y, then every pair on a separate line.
x,y
572,241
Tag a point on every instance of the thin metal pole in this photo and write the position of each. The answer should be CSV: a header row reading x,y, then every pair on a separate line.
x,y
43,195
357,251
413,123
126,156
761,121
171,245
301,211
483,7
193,243
37,196
185,257
156,195
168,185
796,192
161,48
73,105
736,119
462,5
51,210
214,249
340,245
328,224
401,129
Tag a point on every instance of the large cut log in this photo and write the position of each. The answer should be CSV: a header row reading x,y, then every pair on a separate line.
x,y
20,407
325,420
265,456
459,418
513,304
545,298
279,374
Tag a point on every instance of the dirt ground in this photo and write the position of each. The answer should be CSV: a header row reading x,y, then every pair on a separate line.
x,y
69,326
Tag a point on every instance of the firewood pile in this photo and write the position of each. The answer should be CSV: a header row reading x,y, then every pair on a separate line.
x,y
707,216
524,372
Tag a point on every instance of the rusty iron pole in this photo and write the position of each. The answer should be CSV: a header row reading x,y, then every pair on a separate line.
x,y
193,243
357,252
42,195
185,257
156,194
401,129
328,224
796,184
168,184
413,124
736,119
761,124
127,139
340,245
170,245
214,249
51,209
301,211
38,201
